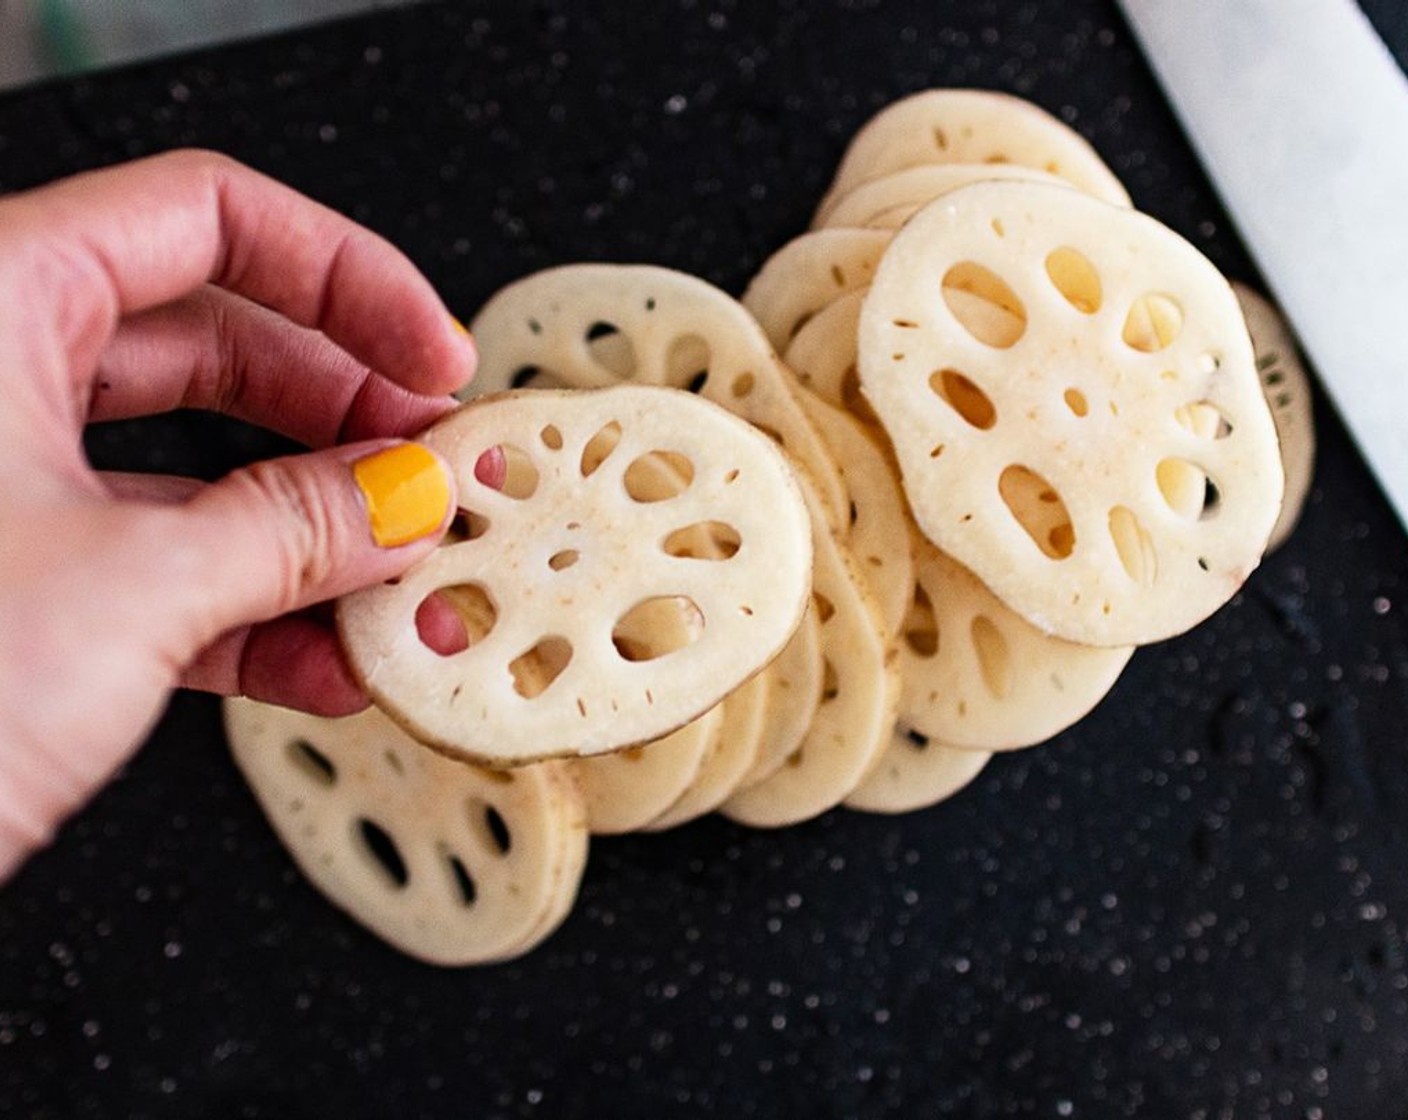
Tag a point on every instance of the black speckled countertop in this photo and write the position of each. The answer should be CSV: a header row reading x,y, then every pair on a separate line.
x,y
1191,905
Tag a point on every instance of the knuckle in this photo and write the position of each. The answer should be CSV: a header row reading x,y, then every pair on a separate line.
x,y
198,161
306,534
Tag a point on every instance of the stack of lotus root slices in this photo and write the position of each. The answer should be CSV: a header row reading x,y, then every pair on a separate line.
x,y
961,448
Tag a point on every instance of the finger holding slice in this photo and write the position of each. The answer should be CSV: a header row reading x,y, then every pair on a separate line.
x,y
449,862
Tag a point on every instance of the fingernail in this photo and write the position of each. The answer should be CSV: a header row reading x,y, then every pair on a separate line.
x,y
406,491
464,330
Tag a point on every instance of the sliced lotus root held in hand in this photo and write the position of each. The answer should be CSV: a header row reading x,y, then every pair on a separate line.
x,y
970,126
590,325
625,790
891,200
858,703
449,862
1287,389
566,573
809,272
916,772
736,749
1044,443
879,536
978,676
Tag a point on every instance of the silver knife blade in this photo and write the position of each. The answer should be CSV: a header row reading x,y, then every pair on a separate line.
x,y
1299,114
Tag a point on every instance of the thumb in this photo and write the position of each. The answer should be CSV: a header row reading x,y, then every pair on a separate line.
x,y
284,533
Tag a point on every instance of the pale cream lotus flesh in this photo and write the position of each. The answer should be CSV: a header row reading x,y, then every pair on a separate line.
x,y
563,573
449,862
1045,364
970,126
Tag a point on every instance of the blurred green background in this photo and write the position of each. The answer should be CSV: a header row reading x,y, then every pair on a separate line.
x,y
43,38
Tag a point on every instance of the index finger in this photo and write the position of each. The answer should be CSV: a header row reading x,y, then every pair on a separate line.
x,y
90,249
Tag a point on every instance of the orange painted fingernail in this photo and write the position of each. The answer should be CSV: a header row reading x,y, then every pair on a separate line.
x,y
406,491
464,330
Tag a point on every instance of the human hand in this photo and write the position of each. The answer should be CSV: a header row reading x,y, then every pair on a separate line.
x,y
188,280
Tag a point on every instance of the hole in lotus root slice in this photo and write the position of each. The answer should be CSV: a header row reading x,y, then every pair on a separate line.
x,y
984,305
994,656
312,762
1009,685
1152,323
599,448
853,722
657,627
520,473
977,127
381,852
704,540
417,860
452,619
551,435
463,880
1203,419
563,559
536,668
915,772
610,347
1286,387
687,362
921,625
658,476
1039,510
1134,546
487,825
1076,402
466,525
1095,463
1184,486
1072,274
964,397
626,790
